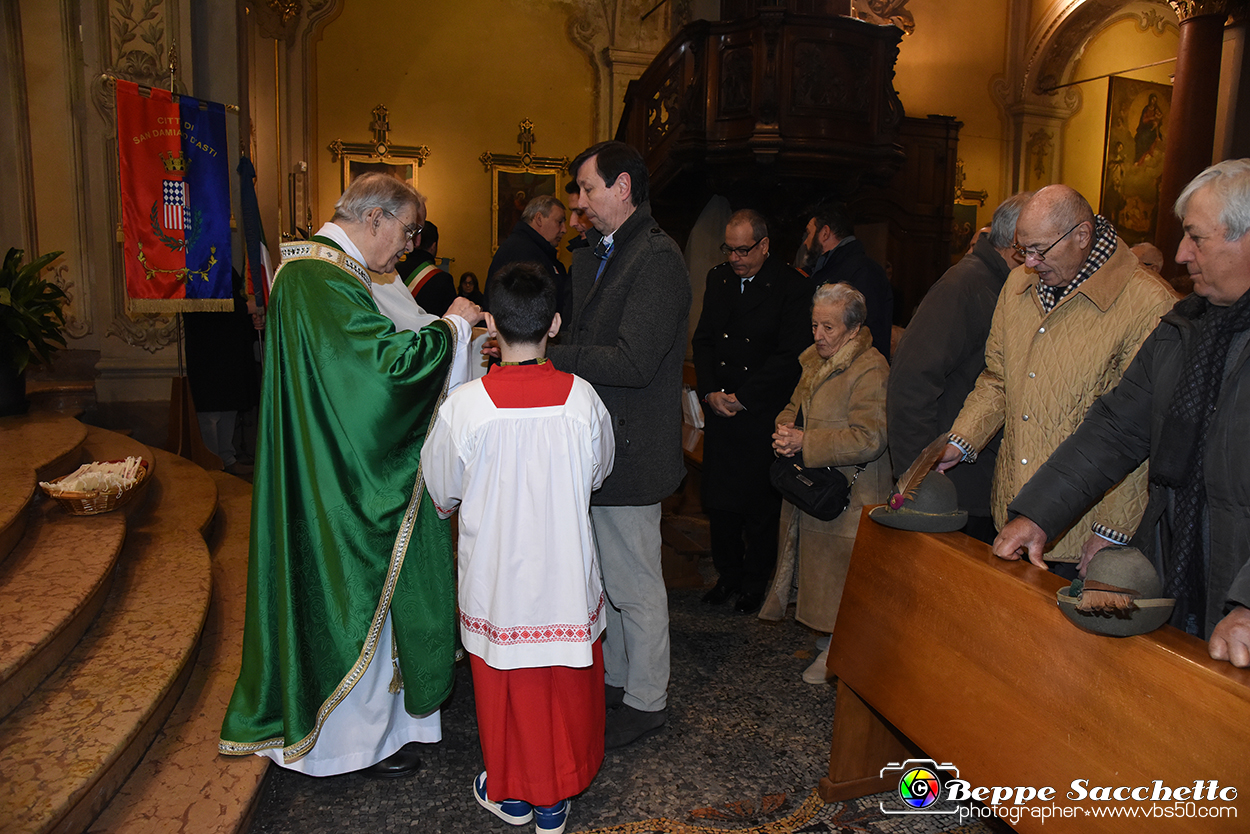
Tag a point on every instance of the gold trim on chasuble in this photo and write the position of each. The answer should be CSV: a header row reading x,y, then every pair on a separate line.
x,y
305,745
309,250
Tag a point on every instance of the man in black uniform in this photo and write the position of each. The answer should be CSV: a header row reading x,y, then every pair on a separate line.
x,y
754,324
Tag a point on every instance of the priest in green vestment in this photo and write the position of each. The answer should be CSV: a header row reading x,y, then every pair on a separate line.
x,y
350,638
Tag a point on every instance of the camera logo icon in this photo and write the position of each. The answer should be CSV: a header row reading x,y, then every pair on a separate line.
x,y
920,786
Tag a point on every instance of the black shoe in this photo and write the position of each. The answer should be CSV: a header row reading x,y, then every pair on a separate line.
x,y
625,725
720,593
613,696
749,602
406,760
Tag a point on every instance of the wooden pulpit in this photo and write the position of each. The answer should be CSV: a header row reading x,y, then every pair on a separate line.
x,y
943,648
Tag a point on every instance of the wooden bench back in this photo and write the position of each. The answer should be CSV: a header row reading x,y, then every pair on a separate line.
x,y
970,658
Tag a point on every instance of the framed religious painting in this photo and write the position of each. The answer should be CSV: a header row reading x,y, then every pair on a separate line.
x,y
353,165
511,190
1137,113
517,178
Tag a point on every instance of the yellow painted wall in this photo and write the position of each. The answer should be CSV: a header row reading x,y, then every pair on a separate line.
x,y
1118,47
460,81
945,67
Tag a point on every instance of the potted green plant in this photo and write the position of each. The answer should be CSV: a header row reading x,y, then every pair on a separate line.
x,y
31,319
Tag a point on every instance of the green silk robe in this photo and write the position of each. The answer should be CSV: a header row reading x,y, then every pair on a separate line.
x,y
342,530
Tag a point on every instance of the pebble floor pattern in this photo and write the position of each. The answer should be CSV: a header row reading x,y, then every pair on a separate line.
x,y
745,744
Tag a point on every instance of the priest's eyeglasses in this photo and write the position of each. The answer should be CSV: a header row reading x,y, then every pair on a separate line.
x,y
410,231
1039,255
740,251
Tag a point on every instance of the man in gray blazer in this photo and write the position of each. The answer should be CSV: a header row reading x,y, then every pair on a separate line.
x,y
627,337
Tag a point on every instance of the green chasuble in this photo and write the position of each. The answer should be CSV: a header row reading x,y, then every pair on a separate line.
x,y
342,530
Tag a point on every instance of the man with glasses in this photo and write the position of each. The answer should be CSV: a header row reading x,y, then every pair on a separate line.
x,y
1185,403
1067,324
350,639
746,348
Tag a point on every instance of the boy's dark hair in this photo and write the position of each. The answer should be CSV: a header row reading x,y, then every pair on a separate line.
x,y
614,159
523,302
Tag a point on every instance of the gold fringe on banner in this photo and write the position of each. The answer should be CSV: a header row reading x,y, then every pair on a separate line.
x,y
166,306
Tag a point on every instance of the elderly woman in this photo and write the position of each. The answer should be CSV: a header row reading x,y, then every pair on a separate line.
x,y
835,418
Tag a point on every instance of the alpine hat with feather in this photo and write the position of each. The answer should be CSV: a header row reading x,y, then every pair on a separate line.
x,y
924,500
1120,595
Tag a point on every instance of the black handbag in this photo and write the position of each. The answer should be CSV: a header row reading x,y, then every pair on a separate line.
x,y
822,491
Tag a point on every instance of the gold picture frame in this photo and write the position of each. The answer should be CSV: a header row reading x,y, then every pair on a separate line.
x,y
520,178
352,165
511,190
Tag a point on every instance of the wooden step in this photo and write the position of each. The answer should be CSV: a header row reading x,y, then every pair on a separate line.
x,y
33,448
51,588
182,784
70,745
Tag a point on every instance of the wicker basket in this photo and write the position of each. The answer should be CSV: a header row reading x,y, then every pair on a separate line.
x,y
99,501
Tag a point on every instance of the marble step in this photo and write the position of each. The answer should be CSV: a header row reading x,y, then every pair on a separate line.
x,y
51,589
33,447
70,745
183,785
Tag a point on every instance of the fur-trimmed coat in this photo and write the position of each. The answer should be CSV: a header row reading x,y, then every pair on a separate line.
x,y
843,402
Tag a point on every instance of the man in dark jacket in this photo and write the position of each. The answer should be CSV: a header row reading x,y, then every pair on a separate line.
x,y
1184,402
627,338
433,289
746,354
534,240
835,255
940,356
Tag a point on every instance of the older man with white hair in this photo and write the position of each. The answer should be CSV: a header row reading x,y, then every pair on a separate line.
x,y
1184,402
350,640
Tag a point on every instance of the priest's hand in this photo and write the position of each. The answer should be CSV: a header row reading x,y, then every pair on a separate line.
x,y
1021,537
1231,638
466,309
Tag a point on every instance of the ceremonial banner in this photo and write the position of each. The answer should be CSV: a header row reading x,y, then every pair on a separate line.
x,y
175,189
259,266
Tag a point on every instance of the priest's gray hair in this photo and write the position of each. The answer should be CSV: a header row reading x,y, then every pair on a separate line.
x,y
1003,226
1230,182
375,190
854,308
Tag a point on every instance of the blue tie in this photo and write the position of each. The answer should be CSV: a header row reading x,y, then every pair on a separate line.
x,y
603,251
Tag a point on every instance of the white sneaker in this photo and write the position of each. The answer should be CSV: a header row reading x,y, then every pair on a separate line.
x,y
817,673
822,642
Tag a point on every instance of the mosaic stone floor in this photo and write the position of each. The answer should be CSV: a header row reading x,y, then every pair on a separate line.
x,y
745,745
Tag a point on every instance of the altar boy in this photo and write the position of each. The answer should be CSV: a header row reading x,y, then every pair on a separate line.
x,y
520,451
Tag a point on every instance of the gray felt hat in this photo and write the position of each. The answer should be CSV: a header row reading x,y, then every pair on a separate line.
x,y
933,509
1127,569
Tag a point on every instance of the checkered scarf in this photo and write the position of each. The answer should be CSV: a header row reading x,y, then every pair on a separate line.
x,y
1104,246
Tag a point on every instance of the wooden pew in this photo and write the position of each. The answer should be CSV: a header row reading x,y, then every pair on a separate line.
x,y
944,648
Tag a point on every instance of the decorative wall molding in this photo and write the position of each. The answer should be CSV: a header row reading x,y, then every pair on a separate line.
x,y
1030,95
619,46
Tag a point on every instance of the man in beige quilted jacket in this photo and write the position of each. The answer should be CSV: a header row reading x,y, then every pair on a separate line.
x,y
1066,326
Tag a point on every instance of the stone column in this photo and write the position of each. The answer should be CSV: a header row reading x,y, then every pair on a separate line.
x,y
1191,121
